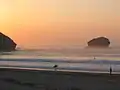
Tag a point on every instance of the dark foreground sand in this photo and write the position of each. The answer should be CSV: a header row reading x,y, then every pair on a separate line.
x,y
23,79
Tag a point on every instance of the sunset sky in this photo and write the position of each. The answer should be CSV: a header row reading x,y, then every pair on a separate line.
x,y
38,23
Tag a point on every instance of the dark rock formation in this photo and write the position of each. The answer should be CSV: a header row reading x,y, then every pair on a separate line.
x,y
99,42
6,43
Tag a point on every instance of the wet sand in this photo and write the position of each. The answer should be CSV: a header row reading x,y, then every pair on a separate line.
x,y
25,79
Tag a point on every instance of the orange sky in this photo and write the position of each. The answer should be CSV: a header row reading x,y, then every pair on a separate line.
x,y
36,23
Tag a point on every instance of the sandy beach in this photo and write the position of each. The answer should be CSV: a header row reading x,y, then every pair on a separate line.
x,y
24,79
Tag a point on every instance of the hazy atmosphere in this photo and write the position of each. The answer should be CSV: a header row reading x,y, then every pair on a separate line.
x,y
39,23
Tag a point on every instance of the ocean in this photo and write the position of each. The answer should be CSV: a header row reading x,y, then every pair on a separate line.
x,y
67,59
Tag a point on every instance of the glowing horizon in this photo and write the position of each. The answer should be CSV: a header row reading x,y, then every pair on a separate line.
x,y
59,22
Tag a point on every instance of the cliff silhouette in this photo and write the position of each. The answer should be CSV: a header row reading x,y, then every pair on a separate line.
x,y
6,43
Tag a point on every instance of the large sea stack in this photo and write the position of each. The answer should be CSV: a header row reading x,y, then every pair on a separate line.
x,y
6,43
100,42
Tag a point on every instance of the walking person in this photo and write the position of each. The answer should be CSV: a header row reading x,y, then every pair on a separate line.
x,y
110,70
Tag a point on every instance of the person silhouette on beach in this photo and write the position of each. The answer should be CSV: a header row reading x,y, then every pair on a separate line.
x,y
110,70
55,67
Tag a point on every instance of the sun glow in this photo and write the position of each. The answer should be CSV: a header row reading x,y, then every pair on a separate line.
x,y
5,12
59,22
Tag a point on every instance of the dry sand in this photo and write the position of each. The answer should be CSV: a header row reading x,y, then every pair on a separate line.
x,y
24,79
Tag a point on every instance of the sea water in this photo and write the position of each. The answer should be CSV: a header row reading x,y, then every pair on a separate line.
x,y
77,59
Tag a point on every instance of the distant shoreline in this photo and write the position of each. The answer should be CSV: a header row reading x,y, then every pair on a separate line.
x,y
87,73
